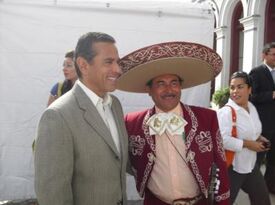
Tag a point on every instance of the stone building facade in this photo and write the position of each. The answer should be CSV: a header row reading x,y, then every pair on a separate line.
x,y
242,27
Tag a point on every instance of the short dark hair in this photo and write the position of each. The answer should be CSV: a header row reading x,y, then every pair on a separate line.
x,y
69,54
84,47
150,82
268,46
241,74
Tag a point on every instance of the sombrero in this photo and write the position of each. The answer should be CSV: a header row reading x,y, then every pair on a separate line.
x,y
194,63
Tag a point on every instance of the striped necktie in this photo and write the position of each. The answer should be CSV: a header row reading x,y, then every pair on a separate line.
x,y
273,74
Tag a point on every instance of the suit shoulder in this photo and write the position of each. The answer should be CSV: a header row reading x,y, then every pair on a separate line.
x,y
257,69
134,121
201,109
202,112
133,116
63,101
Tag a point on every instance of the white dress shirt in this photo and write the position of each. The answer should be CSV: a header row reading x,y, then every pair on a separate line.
x,y
269,68
103,106
249,127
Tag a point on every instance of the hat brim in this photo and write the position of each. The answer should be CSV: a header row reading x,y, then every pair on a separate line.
x,y
195,64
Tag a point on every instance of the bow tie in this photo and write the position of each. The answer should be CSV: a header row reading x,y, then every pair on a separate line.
x,y
169,122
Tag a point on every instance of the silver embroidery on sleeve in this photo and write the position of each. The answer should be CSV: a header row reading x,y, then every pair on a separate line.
x,y
136,144
220,145
204,141
223,196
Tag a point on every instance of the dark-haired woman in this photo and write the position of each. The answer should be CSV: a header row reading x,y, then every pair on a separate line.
x,y
243,173
70,75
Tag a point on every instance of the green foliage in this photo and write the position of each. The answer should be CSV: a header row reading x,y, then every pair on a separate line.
x,y
220,97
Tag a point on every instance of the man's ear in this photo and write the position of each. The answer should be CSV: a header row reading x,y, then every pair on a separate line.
x,y
263,56
82,65
148,90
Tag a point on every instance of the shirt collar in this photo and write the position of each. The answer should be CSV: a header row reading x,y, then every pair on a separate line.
x,y
106,100
177,110
269,68
236,106
233,104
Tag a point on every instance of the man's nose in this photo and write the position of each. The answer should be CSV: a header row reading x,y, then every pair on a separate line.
x,y
117,68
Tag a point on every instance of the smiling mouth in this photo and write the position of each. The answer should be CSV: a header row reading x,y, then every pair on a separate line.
x,y
236,97
113,79
169,96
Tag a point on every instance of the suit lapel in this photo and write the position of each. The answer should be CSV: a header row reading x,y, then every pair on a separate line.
x,y
268,74
93,118
186,116
120,125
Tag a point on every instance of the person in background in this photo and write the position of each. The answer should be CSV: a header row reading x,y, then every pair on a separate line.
x,y
244,173
81,148
70,77
263,97
174,148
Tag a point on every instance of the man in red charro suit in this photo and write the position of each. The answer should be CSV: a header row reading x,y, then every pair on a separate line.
x,y
174,147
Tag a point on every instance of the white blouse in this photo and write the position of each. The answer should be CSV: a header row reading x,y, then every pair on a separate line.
x,y
249,127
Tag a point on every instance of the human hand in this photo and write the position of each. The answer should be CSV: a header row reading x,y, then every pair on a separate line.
x,y
51,99
257,146
264,141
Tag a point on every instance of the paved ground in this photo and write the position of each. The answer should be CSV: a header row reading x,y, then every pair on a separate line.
x,y
242,198
134,203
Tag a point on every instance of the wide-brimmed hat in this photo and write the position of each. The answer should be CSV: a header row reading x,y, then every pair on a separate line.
x,y
194,63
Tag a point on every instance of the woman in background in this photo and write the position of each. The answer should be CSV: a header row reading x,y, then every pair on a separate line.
x,y
244,173
70,77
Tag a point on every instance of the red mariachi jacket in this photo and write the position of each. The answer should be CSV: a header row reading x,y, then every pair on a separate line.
x,y
203,143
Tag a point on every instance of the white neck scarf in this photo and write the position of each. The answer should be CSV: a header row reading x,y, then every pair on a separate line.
x,y
172,123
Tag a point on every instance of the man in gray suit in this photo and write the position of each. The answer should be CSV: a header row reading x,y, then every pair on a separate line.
x,y
81,146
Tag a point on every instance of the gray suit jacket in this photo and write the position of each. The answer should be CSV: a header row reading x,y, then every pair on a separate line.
x,y
76,160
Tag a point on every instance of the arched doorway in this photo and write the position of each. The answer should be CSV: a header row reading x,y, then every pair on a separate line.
x,y
236,55
270,21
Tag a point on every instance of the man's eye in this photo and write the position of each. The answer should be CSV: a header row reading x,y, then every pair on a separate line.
x,y
109,61
160,84
175,83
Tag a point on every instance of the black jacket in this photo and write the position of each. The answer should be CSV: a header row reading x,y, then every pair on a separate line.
x,y
262,88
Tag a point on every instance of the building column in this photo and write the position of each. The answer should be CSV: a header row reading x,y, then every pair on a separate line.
x,y
223,49
251,50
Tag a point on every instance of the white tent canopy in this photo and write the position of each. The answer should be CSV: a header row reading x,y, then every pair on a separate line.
x,y
34,36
